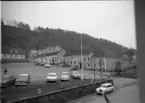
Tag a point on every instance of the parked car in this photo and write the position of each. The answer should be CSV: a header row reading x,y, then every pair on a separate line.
x,y
41,63
105,88
36,63
52,77
47,65
65,76
6,80
75,74
22,80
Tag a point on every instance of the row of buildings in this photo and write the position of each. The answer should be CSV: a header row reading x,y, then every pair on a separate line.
x,y
56,55
89,60
12,54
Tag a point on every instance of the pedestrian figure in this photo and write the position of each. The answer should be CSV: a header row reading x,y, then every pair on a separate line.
x,y
106,98
5,71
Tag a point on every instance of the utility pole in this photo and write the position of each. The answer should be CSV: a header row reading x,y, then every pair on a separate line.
x,y
82,59
93,68
101,68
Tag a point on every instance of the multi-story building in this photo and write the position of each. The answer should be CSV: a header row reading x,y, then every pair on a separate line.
x,y
92,62
77,60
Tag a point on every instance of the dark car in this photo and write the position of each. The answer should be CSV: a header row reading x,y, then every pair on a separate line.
x,y
22,80
41,63
7,81
75,75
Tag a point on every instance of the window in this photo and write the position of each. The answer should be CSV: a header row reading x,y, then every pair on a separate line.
x,y
16,51
94,65
22,56
84,59
11,51
109,85
13,56
16,56
88,59
88,64
4,55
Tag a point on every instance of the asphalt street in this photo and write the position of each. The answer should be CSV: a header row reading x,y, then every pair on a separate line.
x,y
123,94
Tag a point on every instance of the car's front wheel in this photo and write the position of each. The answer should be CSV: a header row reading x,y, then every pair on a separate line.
x,y
112,90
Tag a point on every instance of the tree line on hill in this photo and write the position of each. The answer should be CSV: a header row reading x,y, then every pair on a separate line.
x,y
20,33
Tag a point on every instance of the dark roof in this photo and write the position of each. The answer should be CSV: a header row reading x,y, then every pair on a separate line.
x,y
7,50
125,57
76,53
47,54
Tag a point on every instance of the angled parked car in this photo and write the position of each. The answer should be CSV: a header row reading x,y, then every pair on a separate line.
x,y
6,80
41,63
22,80
75,74
105,88
47,65
51,77
64,76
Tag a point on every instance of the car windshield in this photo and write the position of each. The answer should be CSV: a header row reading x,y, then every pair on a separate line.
x,y
51,75
104,86
64,73
22,77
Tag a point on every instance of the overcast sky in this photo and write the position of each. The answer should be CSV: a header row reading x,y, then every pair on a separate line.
x,y
112,20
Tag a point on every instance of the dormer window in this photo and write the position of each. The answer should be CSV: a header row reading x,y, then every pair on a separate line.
x,y
16,51
11,51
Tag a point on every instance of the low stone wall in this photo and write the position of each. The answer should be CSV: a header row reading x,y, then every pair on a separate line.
x,y
64,95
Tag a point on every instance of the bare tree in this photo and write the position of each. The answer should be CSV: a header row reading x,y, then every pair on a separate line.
x,y
23,25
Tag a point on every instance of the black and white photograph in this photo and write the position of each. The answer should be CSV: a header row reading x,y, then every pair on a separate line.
x,y
68,52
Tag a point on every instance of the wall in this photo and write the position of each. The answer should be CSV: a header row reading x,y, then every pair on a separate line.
x,y
62,96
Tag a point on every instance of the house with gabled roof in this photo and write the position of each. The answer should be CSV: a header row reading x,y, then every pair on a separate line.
x,y
52,57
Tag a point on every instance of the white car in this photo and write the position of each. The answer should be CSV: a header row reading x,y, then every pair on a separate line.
x,y
22,79
47,65
105,88
65,76
52,77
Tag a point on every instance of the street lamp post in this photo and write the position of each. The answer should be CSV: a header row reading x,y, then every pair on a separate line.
x,y
82,59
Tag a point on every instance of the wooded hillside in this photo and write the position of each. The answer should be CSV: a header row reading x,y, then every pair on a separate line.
x,y
40,38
